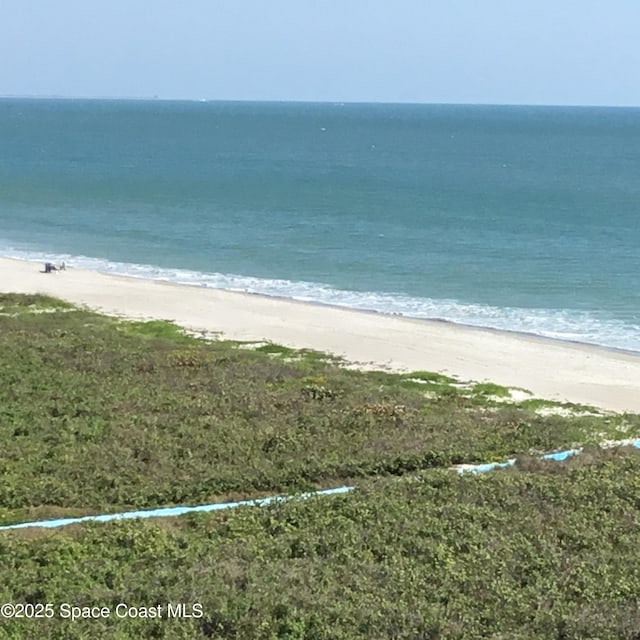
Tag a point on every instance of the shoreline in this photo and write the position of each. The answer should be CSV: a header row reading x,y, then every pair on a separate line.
x,y
335,305
550,368
592,330
287,297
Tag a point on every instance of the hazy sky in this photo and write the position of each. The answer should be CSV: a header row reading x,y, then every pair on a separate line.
x,y
457,51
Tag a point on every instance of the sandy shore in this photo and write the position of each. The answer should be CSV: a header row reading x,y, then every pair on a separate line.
x,y
548,368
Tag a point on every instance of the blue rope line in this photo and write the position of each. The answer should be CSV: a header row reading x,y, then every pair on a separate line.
x,y
170,512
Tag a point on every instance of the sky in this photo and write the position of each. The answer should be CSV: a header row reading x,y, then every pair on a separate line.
x,y
567,52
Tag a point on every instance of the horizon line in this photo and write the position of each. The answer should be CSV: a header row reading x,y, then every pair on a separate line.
x,y
156,98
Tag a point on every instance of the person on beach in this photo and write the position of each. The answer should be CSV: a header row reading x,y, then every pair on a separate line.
x,y
49,267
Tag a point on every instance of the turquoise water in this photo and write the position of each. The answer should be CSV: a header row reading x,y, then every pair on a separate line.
x,y
520,218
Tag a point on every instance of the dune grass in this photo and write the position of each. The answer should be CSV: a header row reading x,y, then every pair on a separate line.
x,y
98,414
545,550
102,415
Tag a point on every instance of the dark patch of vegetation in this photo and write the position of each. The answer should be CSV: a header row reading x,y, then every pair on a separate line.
x,y
157,329
548,552
429,376
289,354
535,404
276,349
20,304
490,389
20,301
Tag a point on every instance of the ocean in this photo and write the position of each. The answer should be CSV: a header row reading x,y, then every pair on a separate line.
x,y
518,218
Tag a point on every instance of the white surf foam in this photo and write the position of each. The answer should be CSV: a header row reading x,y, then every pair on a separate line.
x,y
562,324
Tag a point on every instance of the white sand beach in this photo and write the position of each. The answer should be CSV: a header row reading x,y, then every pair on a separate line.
x,y
548,368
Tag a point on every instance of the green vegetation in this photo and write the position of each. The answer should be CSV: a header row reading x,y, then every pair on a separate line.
x,y
100,415
429,376
289,354
157,329
491,389
548,551
537,404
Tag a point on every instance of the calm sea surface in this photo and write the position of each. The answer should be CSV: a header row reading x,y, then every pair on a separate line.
x,y
521,218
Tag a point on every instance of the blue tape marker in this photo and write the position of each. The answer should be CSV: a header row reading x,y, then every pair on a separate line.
x,y
170,512
484,468
559,456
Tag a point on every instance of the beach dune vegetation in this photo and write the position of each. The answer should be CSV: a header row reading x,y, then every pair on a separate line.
x,y
98,414
102,415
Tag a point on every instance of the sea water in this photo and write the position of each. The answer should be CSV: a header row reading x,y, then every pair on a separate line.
x,y
517,218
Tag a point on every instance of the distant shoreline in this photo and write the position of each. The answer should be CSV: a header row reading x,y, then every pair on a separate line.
x,y
339,101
